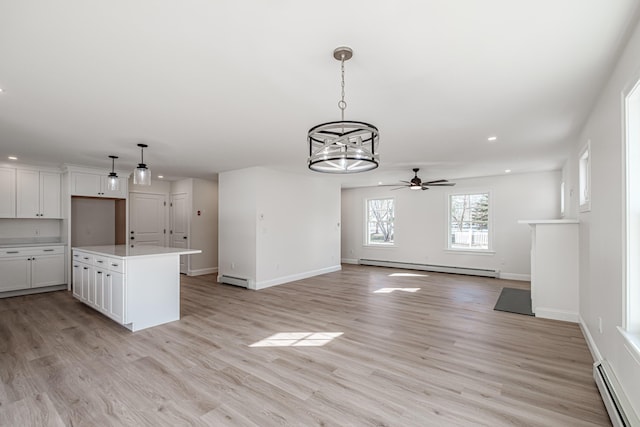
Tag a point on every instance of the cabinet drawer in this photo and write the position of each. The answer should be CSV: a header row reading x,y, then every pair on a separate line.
x,y
100,261
31,250
116,265
83,257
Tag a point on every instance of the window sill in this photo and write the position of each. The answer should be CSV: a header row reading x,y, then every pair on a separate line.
x,y
380,245
633,342
470,251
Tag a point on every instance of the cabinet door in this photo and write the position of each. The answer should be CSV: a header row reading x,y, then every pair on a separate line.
x,y
100,276
76,272
7,193
117,297
120,193
16,273
85,184
47,270
86,274
50,195
106,293
91,290
27,194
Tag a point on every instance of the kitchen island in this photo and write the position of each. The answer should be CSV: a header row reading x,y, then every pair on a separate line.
x,y
138,287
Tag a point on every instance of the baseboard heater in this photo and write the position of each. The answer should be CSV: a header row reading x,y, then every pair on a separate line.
x,y
618,407
430,267
236,281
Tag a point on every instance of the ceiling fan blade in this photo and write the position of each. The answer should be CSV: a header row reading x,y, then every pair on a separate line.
x,y
397,188
442,184
406,182
435,182
425,188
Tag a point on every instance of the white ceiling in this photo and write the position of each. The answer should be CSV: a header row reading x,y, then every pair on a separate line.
x,y
219,85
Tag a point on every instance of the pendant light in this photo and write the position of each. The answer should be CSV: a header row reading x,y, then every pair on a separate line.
x,y
343,146
142,174
113,183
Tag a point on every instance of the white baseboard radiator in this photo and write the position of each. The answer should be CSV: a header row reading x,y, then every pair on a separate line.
x,y
430,267
236,281
618,407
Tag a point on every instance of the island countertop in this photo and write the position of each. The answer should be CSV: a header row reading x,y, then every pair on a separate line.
x,y
125,251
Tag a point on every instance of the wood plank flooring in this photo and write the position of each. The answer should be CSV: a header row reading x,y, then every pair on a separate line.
x,y
432,353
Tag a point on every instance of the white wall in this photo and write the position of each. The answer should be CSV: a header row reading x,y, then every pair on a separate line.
x,y
277,227
601,230
94,221
421,222
25,229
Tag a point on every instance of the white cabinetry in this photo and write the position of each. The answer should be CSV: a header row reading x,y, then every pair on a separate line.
x,y
38,194
98,282
7,192
95,185
31,267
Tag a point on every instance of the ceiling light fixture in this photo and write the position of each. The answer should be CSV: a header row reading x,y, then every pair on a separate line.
x,y
113,183
12,158
507,171
343,146
160,176
142,174
492,138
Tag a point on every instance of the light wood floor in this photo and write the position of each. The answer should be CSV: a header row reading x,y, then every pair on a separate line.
x,y
437,356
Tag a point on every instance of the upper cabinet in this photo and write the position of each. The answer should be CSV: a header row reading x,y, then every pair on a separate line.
x,y
95,185
7,192
38,194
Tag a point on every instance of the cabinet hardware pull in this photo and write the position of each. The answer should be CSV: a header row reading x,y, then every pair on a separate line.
x,y
85,268
76,255
114,265
76,266
100,261
13,252
99,272
48,250
86,257
108,275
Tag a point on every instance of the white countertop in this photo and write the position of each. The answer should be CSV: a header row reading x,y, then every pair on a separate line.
x,y
126,251
24,243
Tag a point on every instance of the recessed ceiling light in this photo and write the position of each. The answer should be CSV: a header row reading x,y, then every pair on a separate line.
x,y
12,158
380,183
160,176
492,138
507,171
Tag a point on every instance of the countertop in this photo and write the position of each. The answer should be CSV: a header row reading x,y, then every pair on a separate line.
x,y
125,251
8,243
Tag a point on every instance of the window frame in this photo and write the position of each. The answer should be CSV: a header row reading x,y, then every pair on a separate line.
x,y
366,236
584,177
490,246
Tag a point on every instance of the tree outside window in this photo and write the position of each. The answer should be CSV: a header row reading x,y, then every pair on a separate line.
x,y
380,217
469,221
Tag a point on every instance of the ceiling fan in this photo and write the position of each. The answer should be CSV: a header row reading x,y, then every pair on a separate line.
x,y
417,184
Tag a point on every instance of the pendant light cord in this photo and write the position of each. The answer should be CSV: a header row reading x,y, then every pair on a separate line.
x,y
342,103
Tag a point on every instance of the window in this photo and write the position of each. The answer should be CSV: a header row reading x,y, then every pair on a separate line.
x,y
584,169
631,318
380,217
469,221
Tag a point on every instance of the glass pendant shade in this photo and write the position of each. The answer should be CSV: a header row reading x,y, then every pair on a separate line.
x,y
113,183
142,174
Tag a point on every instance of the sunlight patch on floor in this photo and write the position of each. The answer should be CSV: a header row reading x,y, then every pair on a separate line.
x,y
297,339
408,275
389,290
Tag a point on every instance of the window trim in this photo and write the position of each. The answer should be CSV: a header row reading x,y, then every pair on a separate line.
x,y
585,187
490,249
366,242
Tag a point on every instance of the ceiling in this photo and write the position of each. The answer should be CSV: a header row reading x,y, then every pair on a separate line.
x,y
213,86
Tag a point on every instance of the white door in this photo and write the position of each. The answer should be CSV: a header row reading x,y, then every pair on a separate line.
x,y
179,233
28,194
148,219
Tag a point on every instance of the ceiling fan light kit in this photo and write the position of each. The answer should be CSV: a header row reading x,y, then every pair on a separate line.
x,y
417,184
343,146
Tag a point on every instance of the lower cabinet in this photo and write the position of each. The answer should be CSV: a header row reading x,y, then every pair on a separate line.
x,y
31,267
99,283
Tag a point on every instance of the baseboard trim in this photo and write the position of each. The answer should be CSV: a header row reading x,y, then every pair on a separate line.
x,y
593,348
286,279
202,271
31,291
515,276
349,261
555,314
